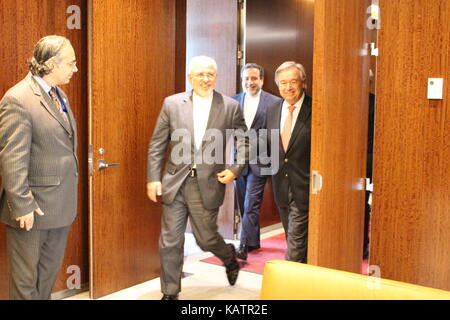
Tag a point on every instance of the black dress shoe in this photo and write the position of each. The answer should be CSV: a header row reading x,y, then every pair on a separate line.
x,y
232,269
242,252
251,248
170,297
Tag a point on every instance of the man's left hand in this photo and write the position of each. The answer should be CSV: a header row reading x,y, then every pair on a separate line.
x,y
226,176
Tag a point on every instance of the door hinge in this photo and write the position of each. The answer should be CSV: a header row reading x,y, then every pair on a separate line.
x,y
240,54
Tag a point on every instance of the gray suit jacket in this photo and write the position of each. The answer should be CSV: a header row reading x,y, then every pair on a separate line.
x,y
175,127
38,161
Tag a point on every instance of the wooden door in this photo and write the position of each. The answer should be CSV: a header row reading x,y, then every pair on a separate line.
x,y
339,133
411,201
212,30
132,69
23,23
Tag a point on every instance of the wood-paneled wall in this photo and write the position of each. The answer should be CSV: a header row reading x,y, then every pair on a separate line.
x,y
23,23
278,31
410,233
212,31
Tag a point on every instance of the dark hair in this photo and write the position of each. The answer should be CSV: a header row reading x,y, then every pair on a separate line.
x,y
255,66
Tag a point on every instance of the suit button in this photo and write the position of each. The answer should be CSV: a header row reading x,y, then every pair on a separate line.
x,y
286,175
286,160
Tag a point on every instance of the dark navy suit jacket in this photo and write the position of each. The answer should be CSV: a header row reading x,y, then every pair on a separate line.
x,y
259,122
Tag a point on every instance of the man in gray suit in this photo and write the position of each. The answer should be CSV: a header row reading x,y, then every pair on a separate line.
x,y
39,169
196,124
250,185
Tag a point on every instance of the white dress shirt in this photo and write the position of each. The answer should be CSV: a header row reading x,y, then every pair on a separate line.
x,y
285,112
201,109
250,107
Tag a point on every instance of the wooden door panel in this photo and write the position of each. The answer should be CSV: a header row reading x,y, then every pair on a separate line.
x,y
133,67
23,23
411,201
279,31
339,134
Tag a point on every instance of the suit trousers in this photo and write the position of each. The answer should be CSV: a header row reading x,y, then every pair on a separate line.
x,y
295,224
187,203
250,191
35,259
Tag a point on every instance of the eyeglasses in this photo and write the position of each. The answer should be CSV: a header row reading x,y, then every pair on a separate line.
x,y
201,76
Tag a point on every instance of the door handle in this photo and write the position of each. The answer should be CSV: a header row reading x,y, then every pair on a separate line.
x,y
316,182
102,164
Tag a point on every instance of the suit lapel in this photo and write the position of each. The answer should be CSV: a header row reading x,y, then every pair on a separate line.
x,y
48,104
213,118
69,110
259,111
242,101
303,116
188,107
277,127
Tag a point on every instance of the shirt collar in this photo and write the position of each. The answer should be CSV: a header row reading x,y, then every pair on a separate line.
x,y
248,95
298,104
198,98
44,85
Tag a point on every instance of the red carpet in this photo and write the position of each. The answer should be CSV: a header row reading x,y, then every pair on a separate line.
x,y
272,248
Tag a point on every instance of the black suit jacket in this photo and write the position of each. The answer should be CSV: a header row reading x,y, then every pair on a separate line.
x,y
294,164
259,122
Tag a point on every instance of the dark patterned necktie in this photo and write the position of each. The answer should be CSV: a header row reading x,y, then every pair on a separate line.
x,y
58,104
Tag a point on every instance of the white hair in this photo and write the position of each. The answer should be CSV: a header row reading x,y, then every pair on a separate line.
x,y
202,61
291,64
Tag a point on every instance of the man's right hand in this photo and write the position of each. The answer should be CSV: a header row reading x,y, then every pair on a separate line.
x,y
154,189
27,221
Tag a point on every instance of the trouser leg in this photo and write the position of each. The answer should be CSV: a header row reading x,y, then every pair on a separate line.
x,y
297,238
241,188
295,224
23,251
284,216
51,257
171,244
204,224
250,232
